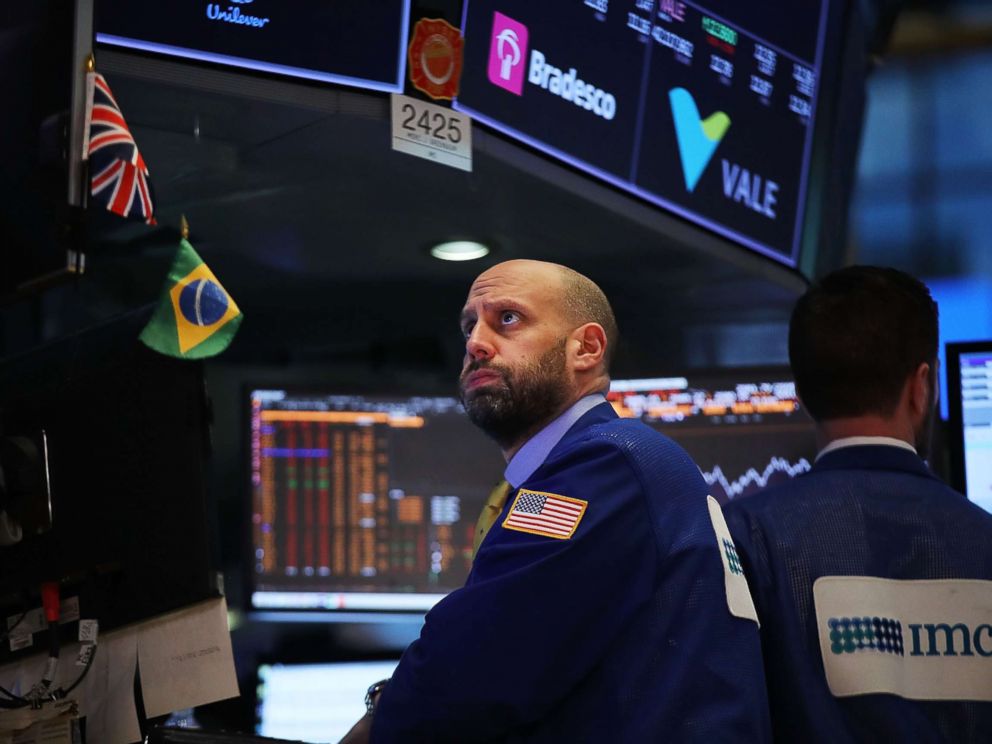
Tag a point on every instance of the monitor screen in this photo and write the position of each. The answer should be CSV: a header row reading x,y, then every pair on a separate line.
x,y
348,42
363,502
969,385
369,502
126,438
706,109
314,702
745,428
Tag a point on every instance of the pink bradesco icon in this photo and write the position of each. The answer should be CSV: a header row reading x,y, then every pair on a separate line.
x,y
508,54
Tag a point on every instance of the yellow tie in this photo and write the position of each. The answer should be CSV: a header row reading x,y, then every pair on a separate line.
x,y
490,513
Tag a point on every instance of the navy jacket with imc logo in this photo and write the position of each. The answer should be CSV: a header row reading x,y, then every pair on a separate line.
x,y
619,632
864,511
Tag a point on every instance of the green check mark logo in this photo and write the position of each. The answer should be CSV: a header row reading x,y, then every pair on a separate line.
x,y
697,138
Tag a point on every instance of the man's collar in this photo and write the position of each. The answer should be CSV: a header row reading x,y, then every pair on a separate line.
x,y
536,450
862,441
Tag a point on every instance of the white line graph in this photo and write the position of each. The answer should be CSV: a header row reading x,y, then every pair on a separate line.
x,y
752,477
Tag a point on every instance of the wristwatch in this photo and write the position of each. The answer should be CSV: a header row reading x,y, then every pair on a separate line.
x,y
372,693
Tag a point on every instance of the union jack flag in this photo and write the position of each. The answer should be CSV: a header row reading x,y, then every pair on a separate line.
x,y
118,174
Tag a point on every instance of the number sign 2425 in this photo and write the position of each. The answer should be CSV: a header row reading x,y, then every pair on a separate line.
x,y
434,124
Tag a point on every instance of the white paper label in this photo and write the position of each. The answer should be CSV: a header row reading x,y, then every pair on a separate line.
x,y
922,640
738,594
433,132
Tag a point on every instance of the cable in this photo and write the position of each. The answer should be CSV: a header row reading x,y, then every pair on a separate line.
x,y
42,693
89,662
16,701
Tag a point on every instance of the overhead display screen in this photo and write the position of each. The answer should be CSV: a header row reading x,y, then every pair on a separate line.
x,y
705,110
349,42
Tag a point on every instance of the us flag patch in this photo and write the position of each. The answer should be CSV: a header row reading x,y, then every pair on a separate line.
x,y
548,514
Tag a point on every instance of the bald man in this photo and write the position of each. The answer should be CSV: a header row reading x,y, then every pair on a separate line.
x,y
600,606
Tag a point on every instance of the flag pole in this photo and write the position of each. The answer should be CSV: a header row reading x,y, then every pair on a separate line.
x,y
82,63
183,227
76,188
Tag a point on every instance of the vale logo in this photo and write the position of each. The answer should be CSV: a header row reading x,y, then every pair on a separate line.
x,y
698,138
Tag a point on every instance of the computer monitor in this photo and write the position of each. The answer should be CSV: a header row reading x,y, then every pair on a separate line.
x,y
125,451
745,427
367,503
314,702
362,502
969,394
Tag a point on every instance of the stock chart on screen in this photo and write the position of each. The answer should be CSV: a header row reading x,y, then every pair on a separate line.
x,y
363,502
746,429
369,502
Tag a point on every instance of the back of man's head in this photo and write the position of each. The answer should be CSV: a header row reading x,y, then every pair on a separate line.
x,y
856,336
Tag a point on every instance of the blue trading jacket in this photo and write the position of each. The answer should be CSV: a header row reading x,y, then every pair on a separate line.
x,y
620,633
861,511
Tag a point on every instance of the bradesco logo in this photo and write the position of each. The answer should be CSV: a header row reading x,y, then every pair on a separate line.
x,y
507,52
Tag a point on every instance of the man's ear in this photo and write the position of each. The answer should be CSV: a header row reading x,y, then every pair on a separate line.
x,y
589,342
921,390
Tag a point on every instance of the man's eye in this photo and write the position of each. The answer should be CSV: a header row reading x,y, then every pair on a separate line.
x,y
467,329
508,317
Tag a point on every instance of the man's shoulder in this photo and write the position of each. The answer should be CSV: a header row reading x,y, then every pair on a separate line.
x,y
628,435
631,428
645,451
837,491
775,498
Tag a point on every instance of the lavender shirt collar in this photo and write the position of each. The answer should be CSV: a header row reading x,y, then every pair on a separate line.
x,y
530,457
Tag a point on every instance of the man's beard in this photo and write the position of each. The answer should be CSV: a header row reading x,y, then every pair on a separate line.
x,y
522,401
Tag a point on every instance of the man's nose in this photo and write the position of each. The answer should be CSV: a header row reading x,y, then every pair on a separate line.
x,y
478,345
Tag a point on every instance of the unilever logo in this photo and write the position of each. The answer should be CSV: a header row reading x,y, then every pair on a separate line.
x,y
507,50
697,138
849,635
233,14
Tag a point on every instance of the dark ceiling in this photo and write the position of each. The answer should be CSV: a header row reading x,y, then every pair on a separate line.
x,y
320,231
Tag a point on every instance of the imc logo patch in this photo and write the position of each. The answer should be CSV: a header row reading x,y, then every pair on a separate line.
x,y
920,639
849,635
507,51
697,138
733,560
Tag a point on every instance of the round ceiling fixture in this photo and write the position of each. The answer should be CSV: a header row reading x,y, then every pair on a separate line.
x,y
459,250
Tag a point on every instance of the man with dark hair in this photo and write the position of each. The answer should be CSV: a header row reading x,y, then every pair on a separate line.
x,y
845,353
600,606
871,577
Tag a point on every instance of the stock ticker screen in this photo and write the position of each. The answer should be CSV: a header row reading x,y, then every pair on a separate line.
x,y
369,503
975,406
364,502
346,42
706,109
746,429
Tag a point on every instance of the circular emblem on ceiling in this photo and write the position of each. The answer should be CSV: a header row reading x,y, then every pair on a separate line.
x,y
435,56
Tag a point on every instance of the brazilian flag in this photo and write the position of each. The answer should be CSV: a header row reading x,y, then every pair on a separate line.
x,y
197,317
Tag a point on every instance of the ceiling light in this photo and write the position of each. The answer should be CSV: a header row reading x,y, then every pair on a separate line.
x,y
459,250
